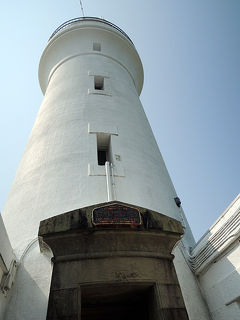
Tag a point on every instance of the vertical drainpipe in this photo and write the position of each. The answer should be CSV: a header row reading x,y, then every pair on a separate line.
x,y
113,182
109,183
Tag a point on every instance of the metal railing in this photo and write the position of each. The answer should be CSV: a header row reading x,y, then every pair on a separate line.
x,y
72,21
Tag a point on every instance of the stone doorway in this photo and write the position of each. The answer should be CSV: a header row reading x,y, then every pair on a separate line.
x,y
113,271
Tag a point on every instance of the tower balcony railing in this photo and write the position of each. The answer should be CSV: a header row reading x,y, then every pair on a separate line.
x,y
76,20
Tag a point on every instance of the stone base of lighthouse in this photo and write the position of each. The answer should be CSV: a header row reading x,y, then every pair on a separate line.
x,y
113,267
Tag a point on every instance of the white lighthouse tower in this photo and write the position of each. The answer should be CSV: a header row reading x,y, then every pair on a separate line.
x,y
91,146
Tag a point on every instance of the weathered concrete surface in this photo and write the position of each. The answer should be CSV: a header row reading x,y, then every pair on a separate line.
x,y
97,267
82,219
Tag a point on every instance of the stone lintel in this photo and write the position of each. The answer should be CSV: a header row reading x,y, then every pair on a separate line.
x,y
69,234
81,219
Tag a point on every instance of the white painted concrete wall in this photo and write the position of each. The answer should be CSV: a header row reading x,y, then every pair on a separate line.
x,y
196,307
59,170
219,275
6,258
29,298
221,285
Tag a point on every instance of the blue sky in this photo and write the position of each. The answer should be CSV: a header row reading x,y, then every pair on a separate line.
x,y
190,52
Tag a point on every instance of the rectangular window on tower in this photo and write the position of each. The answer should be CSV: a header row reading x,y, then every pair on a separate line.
x,y
102,157
103,148
96,46
98,83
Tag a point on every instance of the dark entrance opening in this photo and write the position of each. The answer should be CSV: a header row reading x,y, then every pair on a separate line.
x,y
123,301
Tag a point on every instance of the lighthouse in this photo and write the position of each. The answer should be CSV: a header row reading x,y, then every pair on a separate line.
x,y
92,214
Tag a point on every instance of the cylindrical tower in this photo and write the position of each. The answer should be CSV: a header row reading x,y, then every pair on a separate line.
x,y
91,143
91,77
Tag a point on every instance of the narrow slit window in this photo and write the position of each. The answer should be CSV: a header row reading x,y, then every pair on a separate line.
x,y
96,46
98,83
102,157
103,146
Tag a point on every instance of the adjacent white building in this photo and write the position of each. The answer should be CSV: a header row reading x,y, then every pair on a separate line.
x,y
8,266
92,143
215,260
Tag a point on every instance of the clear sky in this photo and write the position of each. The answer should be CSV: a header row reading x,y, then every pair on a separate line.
x,y
191,57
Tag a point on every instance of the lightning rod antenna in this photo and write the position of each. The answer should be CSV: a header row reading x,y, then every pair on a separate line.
x,y
81,7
